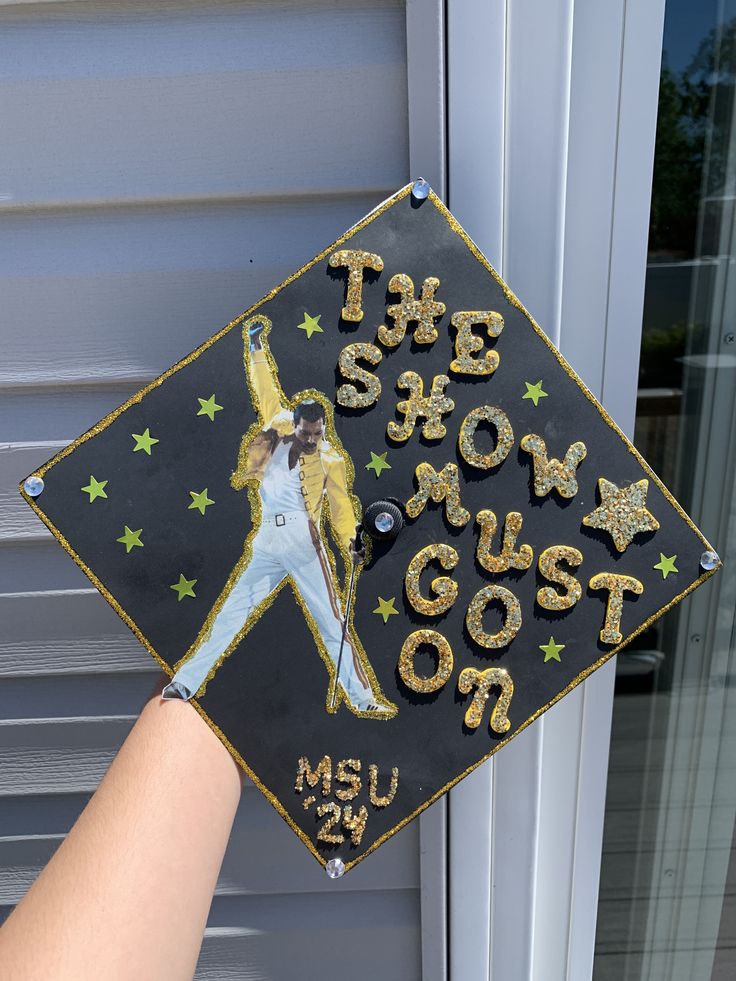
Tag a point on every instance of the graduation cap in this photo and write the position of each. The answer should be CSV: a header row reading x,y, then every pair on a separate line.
x,y
373,528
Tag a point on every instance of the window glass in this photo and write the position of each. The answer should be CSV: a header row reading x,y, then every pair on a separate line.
x,y
667,907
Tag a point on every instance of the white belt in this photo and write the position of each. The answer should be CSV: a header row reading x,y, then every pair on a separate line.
x,y
285,518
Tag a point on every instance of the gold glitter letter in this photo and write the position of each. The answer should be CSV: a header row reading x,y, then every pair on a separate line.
x,y
483,681
512,620
508,559
444,485
324,770
549,598
552,473
444,587
504,437
409,310
324,832
406,661
355,823
429,407
467,343
616,586
349,394
373,786
343,775
356,261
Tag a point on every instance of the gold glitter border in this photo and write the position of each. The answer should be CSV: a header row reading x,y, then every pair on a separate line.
x,y
133,400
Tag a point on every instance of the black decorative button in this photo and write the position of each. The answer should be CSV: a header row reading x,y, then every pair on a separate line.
x,y
383,520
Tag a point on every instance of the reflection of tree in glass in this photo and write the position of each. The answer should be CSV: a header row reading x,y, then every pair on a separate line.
x,y
659,349
690,183
694,109
677,162
688,192
713,76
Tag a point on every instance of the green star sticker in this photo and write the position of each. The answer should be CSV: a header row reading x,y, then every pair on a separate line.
x,y
208,407
534,392
310,325
386,608
552,650
185,587
144,441
95,488
666,565
131,538
378,463
200,501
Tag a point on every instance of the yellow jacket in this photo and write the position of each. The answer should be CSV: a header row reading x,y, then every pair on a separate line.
x,y
321,473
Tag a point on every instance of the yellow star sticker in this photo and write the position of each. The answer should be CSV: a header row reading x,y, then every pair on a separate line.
x,y
378,463
551,650
185,587
666,564
208,407
534,392
131,539
386,608
622,512
200,501
95,488
310,325
144,441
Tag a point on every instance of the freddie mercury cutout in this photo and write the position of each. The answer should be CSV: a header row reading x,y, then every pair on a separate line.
x,y
294,467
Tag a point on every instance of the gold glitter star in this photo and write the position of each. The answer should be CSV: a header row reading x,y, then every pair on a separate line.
x,y
622,512
310,325
184,587
551,650
131,539
386,608
144,441
208,407
95,488
200,501
534,392
378,463
666,564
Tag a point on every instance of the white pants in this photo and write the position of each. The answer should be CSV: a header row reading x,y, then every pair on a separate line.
x,y
281,547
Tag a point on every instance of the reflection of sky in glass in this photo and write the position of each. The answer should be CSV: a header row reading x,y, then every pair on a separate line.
x,y
685,25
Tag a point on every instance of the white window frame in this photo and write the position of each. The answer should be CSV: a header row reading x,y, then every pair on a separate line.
x,y
535,119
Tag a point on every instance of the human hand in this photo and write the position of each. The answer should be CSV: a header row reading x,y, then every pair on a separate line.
x,y
357,547
255,338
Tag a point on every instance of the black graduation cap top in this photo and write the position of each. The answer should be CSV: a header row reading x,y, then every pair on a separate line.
x,y
395,379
